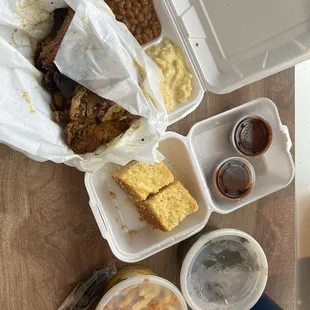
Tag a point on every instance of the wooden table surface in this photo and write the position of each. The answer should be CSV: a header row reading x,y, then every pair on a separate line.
x,y
49,238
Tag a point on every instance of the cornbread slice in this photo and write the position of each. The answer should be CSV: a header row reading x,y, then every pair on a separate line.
x,y
166,209
139,180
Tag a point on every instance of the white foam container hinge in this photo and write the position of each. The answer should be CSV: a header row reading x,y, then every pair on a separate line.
x,y
192,160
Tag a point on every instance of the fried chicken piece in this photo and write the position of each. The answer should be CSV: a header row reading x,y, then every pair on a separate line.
x,y
64,84
86,106
62,116
58,102
85,138
48,82
48,47
95,121
114,113
60,107
92,121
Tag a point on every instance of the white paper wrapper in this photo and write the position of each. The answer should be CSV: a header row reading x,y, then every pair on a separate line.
x,y
99,53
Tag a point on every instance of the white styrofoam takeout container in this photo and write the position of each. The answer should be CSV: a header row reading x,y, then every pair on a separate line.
x,y
229,44
192,160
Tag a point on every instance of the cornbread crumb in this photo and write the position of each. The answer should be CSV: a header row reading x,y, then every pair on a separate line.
x,y
132,233
112,195
139,180
166,209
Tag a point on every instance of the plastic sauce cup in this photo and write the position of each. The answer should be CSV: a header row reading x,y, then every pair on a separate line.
x,y
237,287
251,136
135,283
234,178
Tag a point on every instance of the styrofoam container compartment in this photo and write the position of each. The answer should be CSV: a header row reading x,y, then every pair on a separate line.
x,y
209,141
192,160
130,239
170,32
229,44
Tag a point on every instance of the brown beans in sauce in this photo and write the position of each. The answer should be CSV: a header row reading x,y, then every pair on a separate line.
x,y
139,16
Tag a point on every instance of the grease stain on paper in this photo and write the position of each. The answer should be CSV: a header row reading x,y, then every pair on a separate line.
x,y
32,13
28,100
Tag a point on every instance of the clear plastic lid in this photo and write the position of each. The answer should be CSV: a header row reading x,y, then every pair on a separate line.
x,y
251,136
234,43
226,269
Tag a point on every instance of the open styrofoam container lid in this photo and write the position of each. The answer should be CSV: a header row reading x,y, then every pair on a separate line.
x,y
233,43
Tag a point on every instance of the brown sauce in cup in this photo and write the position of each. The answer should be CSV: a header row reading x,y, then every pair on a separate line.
x,y
234,179
253,136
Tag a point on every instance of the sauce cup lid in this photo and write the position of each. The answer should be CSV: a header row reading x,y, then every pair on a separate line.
x,y
251,136
234,178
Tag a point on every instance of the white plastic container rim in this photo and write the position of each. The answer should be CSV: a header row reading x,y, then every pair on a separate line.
x,y
262,261
138,280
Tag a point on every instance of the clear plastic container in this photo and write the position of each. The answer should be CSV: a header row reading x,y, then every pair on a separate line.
x,y
192,160
137,284
225,269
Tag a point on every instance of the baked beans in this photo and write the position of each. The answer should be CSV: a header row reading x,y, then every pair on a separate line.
x,y
139,16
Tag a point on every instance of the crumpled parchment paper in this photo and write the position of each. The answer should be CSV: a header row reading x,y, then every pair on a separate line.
x,y
97,52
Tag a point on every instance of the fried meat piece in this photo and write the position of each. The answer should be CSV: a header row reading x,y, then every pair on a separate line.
x,y
86,106
66,85
48,82
85,138
62,116
48,47
91,121
60,107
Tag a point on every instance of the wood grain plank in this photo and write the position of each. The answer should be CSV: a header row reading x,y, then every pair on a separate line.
x,y
49,238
